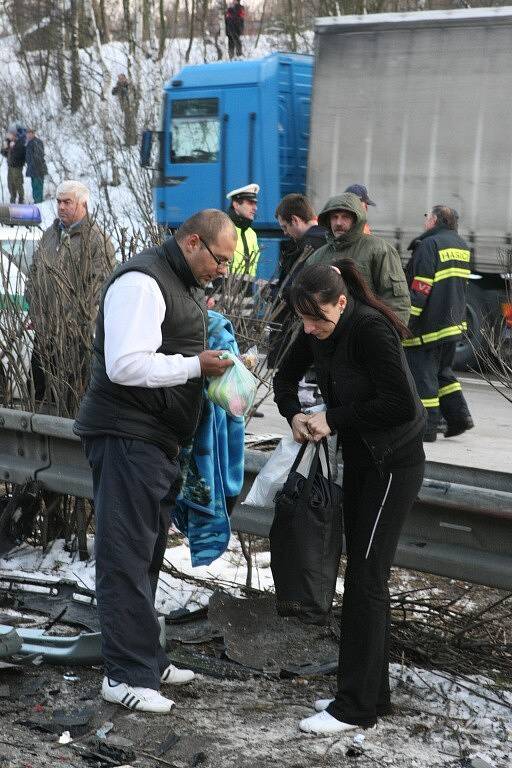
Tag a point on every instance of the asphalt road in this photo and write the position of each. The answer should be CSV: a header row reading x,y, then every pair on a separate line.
x,y
487,446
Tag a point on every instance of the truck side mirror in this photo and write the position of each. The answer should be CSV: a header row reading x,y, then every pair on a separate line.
x,y
146,145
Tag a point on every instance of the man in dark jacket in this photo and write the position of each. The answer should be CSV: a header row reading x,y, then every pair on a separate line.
x,y
234,19
73,259
298,220
14,149
345,217
36,165
143,404
437,275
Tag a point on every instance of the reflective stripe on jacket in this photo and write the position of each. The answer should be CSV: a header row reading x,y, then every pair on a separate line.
x,y
247,252
437,275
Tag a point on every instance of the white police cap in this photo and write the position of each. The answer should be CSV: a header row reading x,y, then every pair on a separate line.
x,y
249,192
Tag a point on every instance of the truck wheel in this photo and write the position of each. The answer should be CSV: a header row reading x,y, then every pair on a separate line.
x,y
475,311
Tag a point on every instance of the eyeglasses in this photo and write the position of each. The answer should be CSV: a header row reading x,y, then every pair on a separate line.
x,y
224,263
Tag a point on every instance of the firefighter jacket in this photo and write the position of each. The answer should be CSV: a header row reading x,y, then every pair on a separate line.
x,y
437,275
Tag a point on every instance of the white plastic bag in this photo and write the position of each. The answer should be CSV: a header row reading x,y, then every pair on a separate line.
x,y
272,476
235,390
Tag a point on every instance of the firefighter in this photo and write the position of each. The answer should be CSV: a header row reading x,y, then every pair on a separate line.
x,y
437,275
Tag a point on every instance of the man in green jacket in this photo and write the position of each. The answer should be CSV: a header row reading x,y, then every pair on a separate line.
x,y
344,217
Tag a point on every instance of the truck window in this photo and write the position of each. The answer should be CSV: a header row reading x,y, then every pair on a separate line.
x,y
195,131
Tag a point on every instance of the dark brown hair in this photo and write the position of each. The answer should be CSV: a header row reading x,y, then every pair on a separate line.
x,y
295,205
321,284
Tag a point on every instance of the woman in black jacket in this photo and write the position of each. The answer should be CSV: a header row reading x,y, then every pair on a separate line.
x,y
353,341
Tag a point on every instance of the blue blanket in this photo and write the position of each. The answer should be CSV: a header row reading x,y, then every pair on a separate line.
x,y
212,467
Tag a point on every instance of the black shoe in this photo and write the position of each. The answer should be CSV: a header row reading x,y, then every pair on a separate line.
x,y
455,428
430,434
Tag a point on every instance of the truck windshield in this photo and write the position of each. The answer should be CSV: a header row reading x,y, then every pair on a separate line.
x,y
195,131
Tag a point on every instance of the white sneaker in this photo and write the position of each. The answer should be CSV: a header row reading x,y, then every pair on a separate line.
x,y
174,676
321,704
131,697
324,724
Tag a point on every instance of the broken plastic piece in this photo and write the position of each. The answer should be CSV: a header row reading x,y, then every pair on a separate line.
x,y
171,741
10,642
65,738
70,677
101,733
75,720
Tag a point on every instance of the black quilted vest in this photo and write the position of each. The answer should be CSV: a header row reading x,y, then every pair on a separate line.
x,y
167,416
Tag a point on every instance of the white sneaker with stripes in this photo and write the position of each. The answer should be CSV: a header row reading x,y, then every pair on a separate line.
x,y
174,676
131,697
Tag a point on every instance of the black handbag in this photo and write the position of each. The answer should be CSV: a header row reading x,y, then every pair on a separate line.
x,y
306,541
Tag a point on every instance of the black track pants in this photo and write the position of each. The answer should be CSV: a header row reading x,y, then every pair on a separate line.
x,y
374,511
135,486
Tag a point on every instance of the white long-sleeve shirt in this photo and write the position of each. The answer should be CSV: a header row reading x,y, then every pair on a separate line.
x,y
134,310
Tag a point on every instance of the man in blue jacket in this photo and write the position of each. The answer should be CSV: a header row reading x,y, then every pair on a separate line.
x,y
437,275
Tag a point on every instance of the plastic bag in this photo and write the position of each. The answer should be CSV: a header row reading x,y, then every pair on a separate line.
x,y
250,358
235,390
273,475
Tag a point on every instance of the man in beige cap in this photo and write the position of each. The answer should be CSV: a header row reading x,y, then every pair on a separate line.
x,y
244,204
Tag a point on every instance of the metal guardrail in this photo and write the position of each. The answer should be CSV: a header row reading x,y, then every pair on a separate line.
x,y
460,526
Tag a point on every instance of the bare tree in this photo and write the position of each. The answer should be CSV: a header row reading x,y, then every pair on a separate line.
x,y
101,20
192,19
76,86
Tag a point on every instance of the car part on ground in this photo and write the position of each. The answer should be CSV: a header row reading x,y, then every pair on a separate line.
x,y
64,603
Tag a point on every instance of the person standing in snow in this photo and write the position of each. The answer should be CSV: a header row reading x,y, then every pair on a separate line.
x,y
128,98
36,164
14,149
234,20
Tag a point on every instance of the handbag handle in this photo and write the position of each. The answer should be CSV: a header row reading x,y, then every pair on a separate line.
x,y
300,455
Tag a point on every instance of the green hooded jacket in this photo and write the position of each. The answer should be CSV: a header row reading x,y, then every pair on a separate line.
x,y
378,261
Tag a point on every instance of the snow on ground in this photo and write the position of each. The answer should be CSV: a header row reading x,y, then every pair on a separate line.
x,y
441,715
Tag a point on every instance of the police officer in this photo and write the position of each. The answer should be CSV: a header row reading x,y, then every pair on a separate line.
x,y
437,275
244,204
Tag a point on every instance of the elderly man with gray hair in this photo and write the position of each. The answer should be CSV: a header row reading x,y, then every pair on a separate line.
x,y
73,260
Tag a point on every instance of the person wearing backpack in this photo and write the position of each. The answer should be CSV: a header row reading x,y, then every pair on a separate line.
x,y
353,341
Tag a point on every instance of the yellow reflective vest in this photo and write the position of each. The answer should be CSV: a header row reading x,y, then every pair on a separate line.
x,y
247,252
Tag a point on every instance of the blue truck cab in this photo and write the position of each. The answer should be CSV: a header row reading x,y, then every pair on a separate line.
x,y
228,124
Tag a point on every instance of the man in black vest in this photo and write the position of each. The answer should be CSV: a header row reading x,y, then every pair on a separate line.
x,y
142,404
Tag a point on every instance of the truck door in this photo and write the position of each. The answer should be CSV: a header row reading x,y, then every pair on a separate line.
x,y
192,154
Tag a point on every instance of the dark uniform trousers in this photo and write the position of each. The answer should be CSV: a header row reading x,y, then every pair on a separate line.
x,y
440,391
135,489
